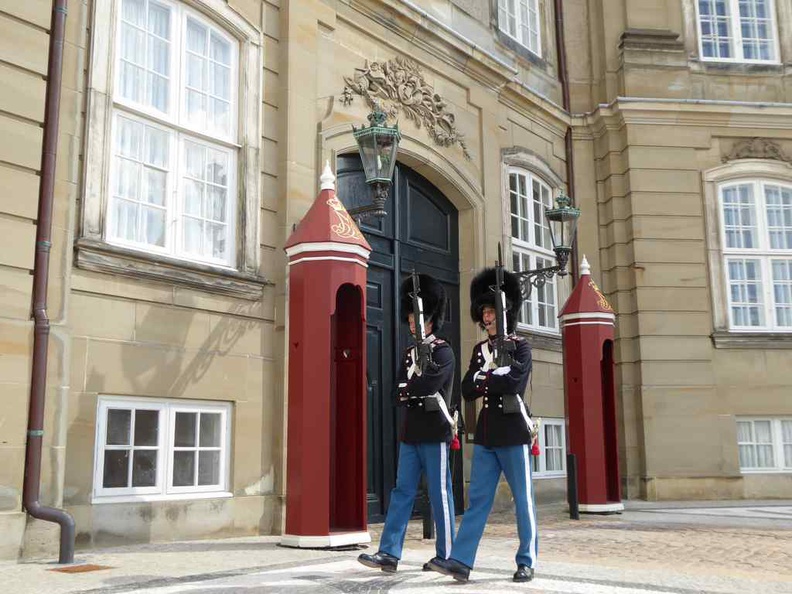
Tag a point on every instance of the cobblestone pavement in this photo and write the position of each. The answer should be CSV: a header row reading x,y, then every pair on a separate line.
x,y
682,549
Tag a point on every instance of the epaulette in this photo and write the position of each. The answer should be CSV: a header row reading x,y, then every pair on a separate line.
x,y
438,341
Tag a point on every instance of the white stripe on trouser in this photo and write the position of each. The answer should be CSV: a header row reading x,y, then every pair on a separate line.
x,y
444,495
529,494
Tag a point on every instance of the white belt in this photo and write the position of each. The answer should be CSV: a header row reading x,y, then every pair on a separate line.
x,y
528,422
443,407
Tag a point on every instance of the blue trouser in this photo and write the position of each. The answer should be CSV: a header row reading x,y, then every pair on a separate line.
x,y
488,463
431,458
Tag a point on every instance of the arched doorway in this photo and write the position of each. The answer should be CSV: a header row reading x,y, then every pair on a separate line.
x,y
421,231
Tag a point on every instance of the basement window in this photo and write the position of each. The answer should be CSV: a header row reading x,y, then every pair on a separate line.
x,y
765,445
160,449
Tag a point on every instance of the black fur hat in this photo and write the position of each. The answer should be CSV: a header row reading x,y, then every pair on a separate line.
x,y
481,294
433,296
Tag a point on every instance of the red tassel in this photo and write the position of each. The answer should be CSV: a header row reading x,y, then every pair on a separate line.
x,y
535,451
455,445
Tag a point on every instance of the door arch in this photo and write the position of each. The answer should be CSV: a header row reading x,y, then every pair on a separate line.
x,y
421,231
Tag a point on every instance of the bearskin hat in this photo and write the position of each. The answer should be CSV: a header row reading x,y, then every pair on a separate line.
x,y
432,295
481,294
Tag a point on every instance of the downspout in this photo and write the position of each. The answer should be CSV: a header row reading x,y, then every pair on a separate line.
x,y
38,380
563,77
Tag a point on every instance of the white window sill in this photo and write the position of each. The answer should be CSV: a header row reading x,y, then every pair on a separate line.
x,y
149,498
99,256
766,470
730,61
740,339
554,475
540,340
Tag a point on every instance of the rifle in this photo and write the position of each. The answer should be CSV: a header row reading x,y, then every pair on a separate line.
x,y
503,346
423,350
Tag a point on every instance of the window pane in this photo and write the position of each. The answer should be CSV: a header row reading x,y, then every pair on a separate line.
x,y
116,469
134,11
209,468
782,292
786,440
739,215
146,427
144,468
183,469
779,216
715,28
210,430
185,430
745,291
119,423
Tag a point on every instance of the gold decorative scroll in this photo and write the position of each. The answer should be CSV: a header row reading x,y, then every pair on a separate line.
x,y
346,227
601,301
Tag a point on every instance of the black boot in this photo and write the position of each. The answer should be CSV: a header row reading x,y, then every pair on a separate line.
x,y
459,571
380,560
523,574
427,566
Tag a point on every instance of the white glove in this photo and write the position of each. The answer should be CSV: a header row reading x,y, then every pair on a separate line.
x,y
502,370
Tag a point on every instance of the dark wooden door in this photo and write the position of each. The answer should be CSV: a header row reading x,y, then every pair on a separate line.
x,y
421,232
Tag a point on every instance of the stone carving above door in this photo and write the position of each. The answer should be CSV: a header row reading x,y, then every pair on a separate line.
x,y
399,86
757,148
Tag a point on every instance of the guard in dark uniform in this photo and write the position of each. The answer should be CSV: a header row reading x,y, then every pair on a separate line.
x,y
426,432
504,432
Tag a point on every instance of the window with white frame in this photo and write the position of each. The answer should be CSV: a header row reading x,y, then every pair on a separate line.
x,y
756,227
174,148
765,445
737,30
532,247
149,449
551,460
519,19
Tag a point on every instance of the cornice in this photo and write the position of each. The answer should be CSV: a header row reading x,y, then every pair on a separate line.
x,y
413,26
692,112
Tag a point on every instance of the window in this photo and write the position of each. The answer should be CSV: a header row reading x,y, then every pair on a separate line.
x,y
552,445
532,247
519,19
174,148
174,132
149,449
756,224
737,30
765,445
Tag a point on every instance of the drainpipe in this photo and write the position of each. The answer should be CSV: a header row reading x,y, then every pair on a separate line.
x,y
38,380
563,77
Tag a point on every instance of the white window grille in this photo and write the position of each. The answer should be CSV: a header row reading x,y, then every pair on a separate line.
x,y
150,449
765,445
519,19
737,30
174,149
756,227
532,247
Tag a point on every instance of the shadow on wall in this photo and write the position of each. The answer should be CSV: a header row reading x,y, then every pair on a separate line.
x,y
168,371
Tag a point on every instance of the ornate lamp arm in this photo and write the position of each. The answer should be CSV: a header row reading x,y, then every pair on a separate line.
x,y
539,276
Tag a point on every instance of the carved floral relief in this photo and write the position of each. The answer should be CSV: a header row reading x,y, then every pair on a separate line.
x,y
757,148
399,86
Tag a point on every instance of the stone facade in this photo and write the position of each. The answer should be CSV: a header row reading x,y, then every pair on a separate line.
x,y
654,128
